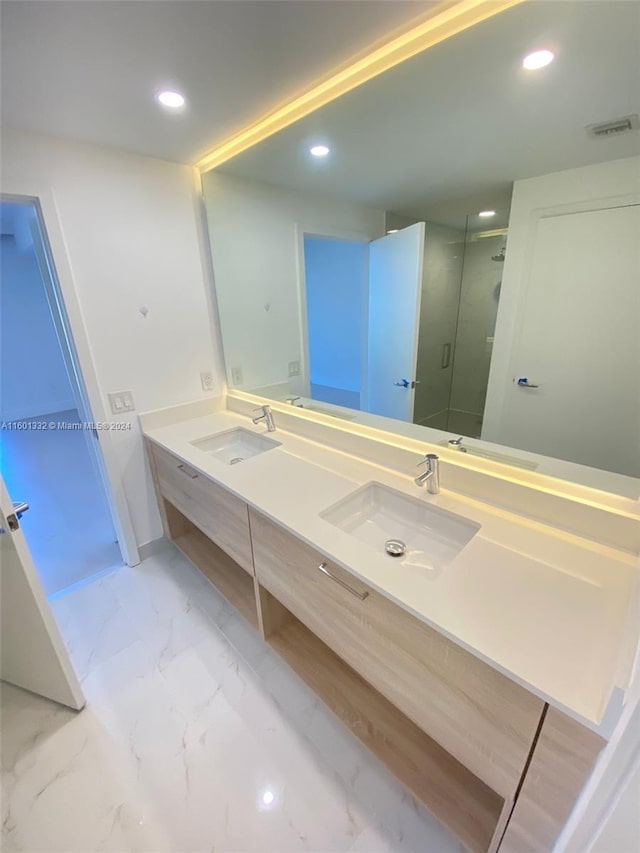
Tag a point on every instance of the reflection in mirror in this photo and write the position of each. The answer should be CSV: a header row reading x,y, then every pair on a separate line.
x,y
460,294
463,264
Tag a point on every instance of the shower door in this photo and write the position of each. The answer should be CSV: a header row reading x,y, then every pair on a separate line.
x,y
484,254
463,264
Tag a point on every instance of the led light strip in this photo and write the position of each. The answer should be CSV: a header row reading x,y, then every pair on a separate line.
x,y
443,21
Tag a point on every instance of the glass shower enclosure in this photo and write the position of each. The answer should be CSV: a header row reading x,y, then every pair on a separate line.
x,y
460,293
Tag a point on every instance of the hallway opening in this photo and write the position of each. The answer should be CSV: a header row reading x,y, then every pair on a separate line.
x,y
48,448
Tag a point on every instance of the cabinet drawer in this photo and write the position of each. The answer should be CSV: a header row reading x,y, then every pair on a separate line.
x,y
222,516
479,716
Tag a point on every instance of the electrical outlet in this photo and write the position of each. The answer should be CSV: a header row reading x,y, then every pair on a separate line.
x,y
121,402
236,376
294,368
206,378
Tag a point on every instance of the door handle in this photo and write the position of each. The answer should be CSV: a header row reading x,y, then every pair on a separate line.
x,y
12,523
523,382
405,383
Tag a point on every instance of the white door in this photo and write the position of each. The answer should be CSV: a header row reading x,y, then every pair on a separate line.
x,y
32,653
579,341
395,284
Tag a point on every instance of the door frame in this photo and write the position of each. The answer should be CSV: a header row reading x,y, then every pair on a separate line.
x,y
301,230
71,320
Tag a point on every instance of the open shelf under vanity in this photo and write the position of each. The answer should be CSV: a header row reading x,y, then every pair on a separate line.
x,y
235,584
451,792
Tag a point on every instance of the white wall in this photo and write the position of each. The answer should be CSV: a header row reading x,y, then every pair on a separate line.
x,y
34,378
539,206
253,228
132,231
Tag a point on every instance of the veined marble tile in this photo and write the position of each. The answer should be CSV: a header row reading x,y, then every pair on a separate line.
x,y
196,737
93,624
69,784
161,605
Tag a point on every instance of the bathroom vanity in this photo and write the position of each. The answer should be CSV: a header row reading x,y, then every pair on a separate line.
x,y
405,296
479,665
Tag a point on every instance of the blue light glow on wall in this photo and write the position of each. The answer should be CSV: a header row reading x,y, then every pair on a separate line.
x,y
336,276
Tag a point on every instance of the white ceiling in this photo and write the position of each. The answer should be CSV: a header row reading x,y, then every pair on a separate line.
x,y
463,120
88,70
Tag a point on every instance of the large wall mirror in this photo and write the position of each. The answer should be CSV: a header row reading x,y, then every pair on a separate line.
x,y
455,245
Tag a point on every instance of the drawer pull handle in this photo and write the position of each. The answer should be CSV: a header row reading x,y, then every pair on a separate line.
x,y
361,595
186,471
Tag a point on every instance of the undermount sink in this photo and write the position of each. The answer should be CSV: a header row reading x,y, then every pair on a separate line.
x,y
235,445
386,520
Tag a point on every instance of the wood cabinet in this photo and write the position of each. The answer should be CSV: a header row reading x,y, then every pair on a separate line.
x,y
209,525
561,762
488,758
457,797
485,720
220,515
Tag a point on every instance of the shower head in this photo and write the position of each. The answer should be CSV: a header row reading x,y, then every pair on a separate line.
x,y
500,256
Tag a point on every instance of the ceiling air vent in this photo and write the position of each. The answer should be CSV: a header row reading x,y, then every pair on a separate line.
x,y
614,127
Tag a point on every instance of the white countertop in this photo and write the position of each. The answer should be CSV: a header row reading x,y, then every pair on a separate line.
x,y
544,607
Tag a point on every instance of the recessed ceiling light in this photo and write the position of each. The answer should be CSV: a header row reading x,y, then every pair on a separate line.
x,y
174,100
319,150
537,59
267,798
392,231
487,213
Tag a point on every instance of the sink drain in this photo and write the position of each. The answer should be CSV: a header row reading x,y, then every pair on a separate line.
x,y
236,459
395,547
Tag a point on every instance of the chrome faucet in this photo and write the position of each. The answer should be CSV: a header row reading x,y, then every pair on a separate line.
x,y
456,444
431,476
266,416
293,401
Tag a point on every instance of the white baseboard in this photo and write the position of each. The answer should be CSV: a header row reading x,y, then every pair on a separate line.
x,y
150,549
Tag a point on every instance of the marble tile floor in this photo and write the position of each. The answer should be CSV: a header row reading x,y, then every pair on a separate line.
x,y
195,737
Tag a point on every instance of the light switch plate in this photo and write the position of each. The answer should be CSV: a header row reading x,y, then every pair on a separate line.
x,y
121,402
294,368
236,376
